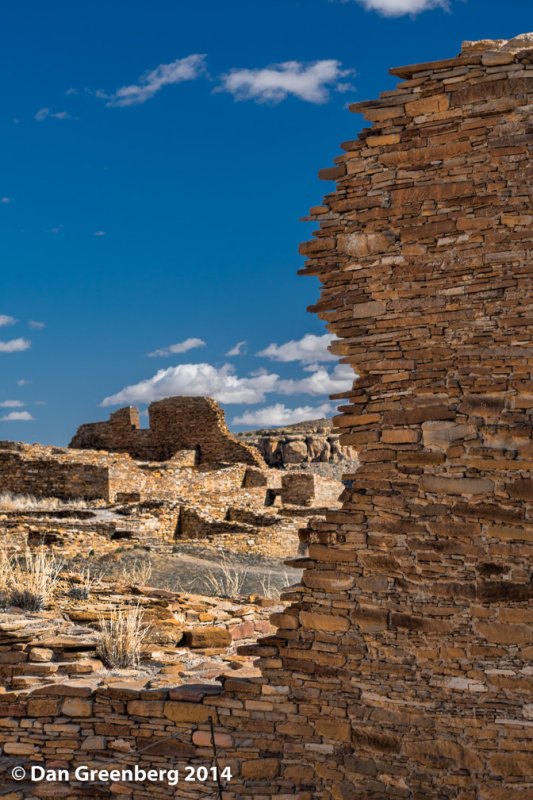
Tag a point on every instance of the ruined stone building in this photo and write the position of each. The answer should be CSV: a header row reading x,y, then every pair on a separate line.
x,y
401,668
176,424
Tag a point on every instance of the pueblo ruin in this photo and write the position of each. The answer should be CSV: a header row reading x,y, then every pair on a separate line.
x,y
399,667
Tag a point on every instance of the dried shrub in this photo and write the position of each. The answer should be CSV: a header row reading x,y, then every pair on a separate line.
x,y
121,638
227,581
137,573
28,582
82,590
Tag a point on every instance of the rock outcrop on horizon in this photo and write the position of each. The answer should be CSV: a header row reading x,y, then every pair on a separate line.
x,y
300,444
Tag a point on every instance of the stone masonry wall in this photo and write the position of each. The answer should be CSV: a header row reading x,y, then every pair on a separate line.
x,y
411,639
176,424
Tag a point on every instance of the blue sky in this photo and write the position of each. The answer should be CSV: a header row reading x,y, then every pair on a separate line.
x,y
156,160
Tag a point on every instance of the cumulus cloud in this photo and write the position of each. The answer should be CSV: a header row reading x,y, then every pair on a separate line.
x,y
15,346
11,404
278,414
238,350
197,379
397,8
5,200
226,386
43,113
6,320
179,347
320,382
17,416
311,81
99,233
37,325
308,350
23,382
183,69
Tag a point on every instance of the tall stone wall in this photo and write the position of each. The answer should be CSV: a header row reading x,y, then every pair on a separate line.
x,y
411,638
176,424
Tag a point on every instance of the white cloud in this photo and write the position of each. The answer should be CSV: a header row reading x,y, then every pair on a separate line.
x,y
11,404
71,91
197,379
238,350
179,347
307,350
99,233
279,414
17,416
6,320
5,200
397,8
43,113
23,382
15,346
320,382
224,385
37,325
183,69
309,81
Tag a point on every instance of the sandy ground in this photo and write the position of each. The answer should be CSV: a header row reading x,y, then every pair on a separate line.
x,y
193,569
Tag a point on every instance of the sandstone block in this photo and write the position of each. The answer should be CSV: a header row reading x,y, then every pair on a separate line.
x,y
93,743
41,654
207,637
442,485
515,764
187,712
337,729
43,708
203,739
323,622
145,708
504,633
364,244
332,581
260,768
19,748
77,707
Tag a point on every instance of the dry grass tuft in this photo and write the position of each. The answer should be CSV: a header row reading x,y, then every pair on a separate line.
x,y
82,590
28,581
138,573
121,638
227,581
270,587
15,502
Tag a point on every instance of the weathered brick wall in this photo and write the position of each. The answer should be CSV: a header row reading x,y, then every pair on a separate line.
x,y
176,424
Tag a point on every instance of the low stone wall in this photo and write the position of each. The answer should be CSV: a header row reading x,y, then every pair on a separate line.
x,y
37,472
64,726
